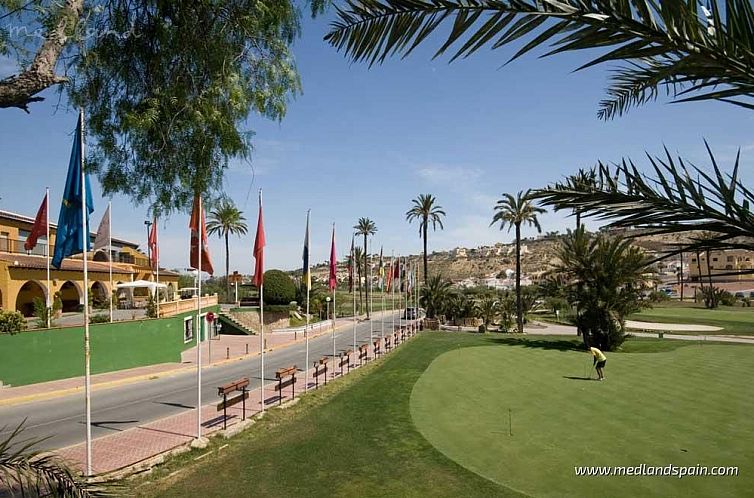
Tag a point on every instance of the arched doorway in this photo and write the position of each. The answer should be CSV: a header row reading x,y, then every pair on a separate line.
x,y
101,256
99,296
26,295
70,296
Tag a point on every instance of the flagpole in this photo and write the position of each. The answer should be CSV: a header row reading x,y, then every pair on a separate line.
x,y
157,269
110,252
87,351
382,288
200,230
47,256
371,310
333,256
392,289
261,324
353,292
308,284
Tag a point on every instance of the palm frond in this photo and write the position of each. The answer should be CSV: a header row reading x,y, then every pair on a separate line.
x,y
689,51
30,472
677,198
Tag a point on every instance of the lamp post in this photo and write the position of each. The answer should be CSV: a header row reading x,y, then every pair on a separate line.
x,y
148,224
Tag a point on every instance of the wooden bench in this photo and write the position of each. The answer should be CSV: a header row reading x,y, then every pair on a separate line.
x,y
403,333
363,353
231,387
286,377
388,346
396,339
345,359
320,368
377,347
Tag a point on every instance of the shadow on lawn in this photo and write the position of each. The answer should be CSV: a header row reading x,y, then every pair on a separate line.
x,y
558,344
577,378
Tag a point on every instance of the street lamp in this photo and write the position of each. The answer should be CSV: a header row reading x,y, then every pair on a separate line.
x,y
328,307
148,224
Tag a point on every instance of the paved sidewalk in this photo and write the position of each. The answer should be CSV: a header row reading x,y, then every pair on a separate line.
x,y
131,446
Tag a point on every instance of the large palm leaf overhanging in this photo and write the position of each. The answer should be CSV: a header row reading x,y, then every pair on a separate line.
x,y
365,227
512,212
679,198
688,50
426,209
26,471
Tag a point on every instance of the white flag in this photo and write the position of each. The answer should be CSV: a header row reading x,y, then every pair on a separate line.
x,y
103,233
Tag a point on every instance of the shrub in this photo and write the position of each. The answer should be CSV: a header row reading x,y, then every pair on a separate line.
x,y
278,288
11,322
99,319
658,297
726,298
151,307
40,313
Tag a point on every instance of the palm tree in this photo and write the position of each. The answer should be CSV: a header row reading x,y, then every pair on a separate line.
x,y
30,472
435,295
358,256
689,50
606,276
365,227
226,219
488,309
426,210
511,212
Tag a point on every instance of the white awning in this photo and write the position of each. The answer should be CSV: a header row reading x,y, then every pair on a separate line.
x,y
142,284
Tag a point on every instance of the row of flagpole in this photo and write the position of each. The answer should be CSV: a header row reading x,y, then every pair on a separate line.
x,y
72,237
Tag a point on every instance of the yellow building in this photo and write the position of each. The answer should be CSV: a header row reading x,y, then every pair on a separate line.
x,y
722,264
23,274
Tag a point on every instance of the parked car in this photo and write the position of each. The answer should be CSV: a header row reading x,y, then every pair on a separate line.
x,y
409,314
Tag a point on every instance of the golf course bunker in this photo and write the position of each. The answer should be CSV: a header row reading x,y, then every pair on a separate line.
x,y
685,407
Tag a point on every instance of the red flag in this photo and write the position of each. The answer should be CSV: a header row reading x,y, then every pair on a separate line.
x,y
259,248
333,283
390,275
196,225
154,251
39,228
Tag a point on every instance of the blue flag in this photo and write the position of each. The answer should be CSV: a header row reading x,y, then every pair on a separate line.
x,y
70,234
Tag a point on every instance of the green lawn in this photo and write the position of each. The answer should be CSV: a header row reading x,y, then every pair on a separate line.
x,y
432,420
733,320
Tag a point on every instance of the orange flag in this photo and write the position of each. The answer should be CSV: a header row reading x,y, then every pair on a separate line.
x,y
196,225
259,243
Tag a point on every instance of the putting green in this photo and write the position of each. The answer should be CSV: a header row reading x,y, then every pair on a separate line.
x,y
690,406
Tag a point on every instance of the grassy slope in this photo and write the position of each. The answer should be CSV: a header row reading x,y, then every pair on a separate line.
x,y
686,406
355,438
733,320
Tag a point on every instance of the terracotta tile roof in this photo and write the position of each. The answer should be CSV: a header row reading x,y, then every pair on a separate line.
x,y
38,262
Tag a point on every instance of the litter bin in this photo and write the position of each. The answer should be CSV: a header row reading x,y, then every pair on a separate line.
x,y
660,334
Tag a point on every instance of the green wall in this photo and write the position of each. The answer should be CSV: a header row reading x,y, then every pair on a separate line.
x,y
40,356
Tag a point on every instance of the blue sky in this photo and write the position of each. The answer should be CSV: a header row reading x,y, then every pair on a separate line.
x,y
364,142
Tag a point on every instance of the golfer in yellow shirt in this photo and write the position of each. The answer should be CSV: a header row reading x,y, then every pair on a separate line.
x,y
599,362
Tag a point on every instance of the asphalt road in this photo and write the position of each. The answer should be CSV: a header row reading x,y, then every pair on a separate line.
x,y
119,408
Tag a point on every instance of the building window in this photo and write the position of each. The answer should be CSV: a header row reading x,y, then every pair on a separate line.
x,y
728,267
729,258
714,259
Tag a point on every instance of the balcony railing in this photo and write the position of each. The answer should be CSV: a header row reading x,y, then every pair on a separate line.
x,y
16,246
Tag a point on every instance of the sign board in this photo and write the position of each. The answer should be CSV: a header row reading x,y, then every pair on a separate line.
x,y
210,317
